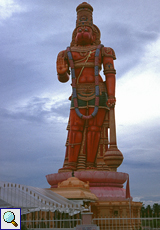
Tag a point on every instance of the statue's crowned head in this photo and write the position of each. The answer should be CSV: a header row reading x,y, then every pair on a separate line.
x,y
85,19
84,15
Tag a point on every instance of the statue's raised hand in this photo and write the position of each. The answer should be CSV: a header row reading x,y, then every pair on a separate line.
x,y
62,66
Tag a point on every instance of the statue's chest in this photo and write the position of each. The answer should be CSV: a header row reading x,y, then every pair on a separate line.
x,y
83,56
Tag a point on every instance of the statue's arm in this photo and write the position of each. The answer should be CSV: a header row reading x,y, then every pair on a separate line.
x,y
62,67
108,55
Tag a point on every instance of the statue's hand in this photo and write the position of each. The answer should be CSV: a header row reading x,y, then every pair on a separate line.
x,y
62,66
111,102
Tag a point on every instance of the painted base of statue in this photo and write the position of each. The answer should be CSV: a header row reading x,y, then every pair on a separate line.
x,y
106,185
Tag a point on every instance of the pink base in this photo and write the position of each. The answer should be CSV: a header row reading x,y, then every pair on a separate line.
x,y
109,193
106,185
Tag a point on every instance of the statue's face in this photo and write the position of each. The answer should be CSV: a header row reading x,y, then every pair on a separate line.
x,y
84,36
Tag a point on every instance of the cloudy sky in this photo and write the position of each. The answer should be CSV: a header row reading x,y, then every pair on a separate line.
x,y
34,106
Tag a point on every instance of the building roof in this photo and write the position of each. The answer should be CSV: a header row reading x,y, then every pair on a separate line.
x,y
75,189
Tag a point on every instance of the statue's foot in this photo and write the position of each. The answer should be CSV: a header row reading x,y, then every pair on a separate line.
x,y
68,168
90,166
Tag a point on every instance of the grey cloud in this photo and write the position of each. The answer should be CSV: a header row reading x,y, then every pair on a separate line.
x,y
139,145
143,179
30,150
28,58
154,199
35,110
128,43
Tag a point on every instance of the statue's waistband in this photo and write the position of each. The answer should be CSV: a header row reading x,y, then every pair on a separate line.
x,y
86,95
86,89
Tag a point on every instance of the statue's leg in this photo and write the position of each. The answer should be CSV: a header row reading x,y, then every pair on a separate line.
x,y
93,135
75,137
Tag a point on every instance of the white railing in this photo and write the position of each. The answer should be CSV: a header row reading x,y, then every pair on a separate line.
x,y
52,224
31,199
119,223
49,220
54,220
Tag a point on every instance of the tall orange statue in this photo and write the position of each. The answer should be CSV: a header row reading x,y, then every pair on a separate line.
x,y
92,99
91,154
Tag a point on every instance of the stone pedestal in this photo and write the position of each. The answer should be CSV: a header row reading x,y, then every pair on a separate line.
x,y
106,185
113,199
87,218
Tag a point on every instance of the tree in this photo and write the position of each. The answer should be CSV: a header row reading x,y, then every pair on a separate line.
x,y
156,209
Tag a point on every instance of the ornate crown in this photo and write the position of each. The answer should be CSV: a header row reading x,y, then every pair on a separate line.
x,y
84,18
84,15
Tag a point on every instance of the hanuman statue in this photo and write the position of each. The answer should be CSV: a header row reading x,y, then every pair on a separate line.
x,y
92,98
